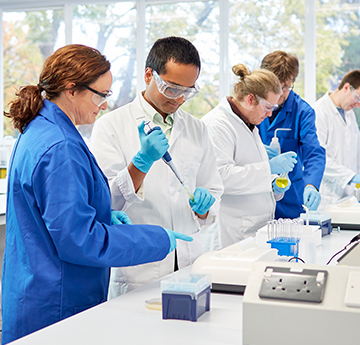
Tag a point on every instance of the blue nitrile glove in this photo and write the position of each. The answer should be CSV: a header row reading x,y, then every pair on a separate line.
x,y
283,163
271,152
173,236
279,190
356,179
312,198
153,147
202,202
119,217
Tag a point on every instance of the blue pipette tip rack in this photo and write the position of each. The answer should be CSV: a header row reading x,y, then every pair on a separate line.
x,y
286,246
185,297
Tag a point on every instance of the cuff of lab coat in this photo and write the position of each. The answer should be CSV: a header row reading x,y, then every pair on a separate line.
x,y
126,187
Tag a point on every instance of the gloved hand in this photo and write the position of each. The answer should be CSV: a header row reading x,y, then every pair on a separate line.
x,y
312,198
283,163
271,152
119,217
356,179
153,147
202,202
173,236
279,190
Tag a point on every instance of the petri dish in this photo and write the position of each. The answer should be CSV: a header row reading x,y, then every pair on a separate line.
x,y
153,304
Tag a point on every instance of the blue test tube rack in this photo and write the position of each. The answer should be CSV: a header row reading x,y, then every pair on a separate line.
x,y
286,246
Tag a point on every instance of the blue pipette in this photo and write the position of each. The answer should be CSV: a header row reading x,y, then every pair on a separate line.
x,y
168,160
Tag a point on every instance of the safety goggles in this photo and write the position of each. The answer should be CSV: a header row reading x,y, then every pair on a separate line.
x,y
356,96
174,91
287,88
265,105
99,98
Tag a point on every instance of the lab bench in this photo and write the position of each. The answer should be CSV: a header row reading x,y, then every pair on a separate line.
x,y
125,319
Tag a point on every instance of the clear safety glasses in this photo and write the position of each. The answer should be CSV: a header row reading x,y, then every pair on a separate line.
x,y
265,105
287,88
99,98
174,91
356,96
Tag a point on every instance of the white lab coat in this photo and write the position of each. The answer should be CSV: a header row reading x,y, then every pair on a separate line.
x,y
341,140
161,200
248,201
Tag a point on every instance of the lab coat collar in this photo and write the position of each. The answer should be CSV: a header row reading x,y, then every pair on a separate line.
x,y
237,112
149,113
54,114
147,108
334,108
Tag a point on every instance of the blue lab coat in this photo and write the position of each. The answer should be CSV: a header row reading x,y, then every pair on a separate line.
x,y
59,244
300,117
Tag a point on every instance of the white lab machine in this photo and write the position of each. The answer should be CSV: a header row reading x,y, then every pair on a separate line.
x,y
292,303
230,267
345,214
351,257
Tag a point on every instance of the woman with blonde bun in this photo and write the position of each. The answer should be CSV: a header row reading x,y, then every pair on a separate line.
x,y
250,192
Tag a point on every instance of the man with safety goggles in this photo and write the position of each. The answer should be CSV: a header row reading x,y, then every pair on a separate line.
x,y
295,114
139,180
339,134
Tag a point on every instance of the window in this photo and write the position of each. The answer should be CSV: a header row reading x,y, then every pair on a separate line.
x,y
199,23
120,30
338,43
111,28
261,27
29,38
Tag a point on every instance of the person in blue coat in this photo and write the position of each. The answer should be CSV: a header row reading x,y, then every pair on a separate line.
x,y
61,235
294,113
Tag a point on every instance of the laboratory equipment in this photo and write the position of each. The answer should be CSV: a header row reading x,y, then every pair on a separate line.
x,y
153,304
320,218
169,162
308,240
357,191
284,235
261,236
300,304
283,180
185,296
230,267
352,255
345,214
275,140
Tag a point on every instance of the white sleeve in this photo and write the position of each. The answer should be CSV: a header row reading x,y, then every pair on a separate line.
x,y
334,172
109,154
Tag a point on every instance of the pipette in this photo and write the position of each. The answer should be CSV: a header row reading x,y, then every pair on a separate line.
x,y
168,160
